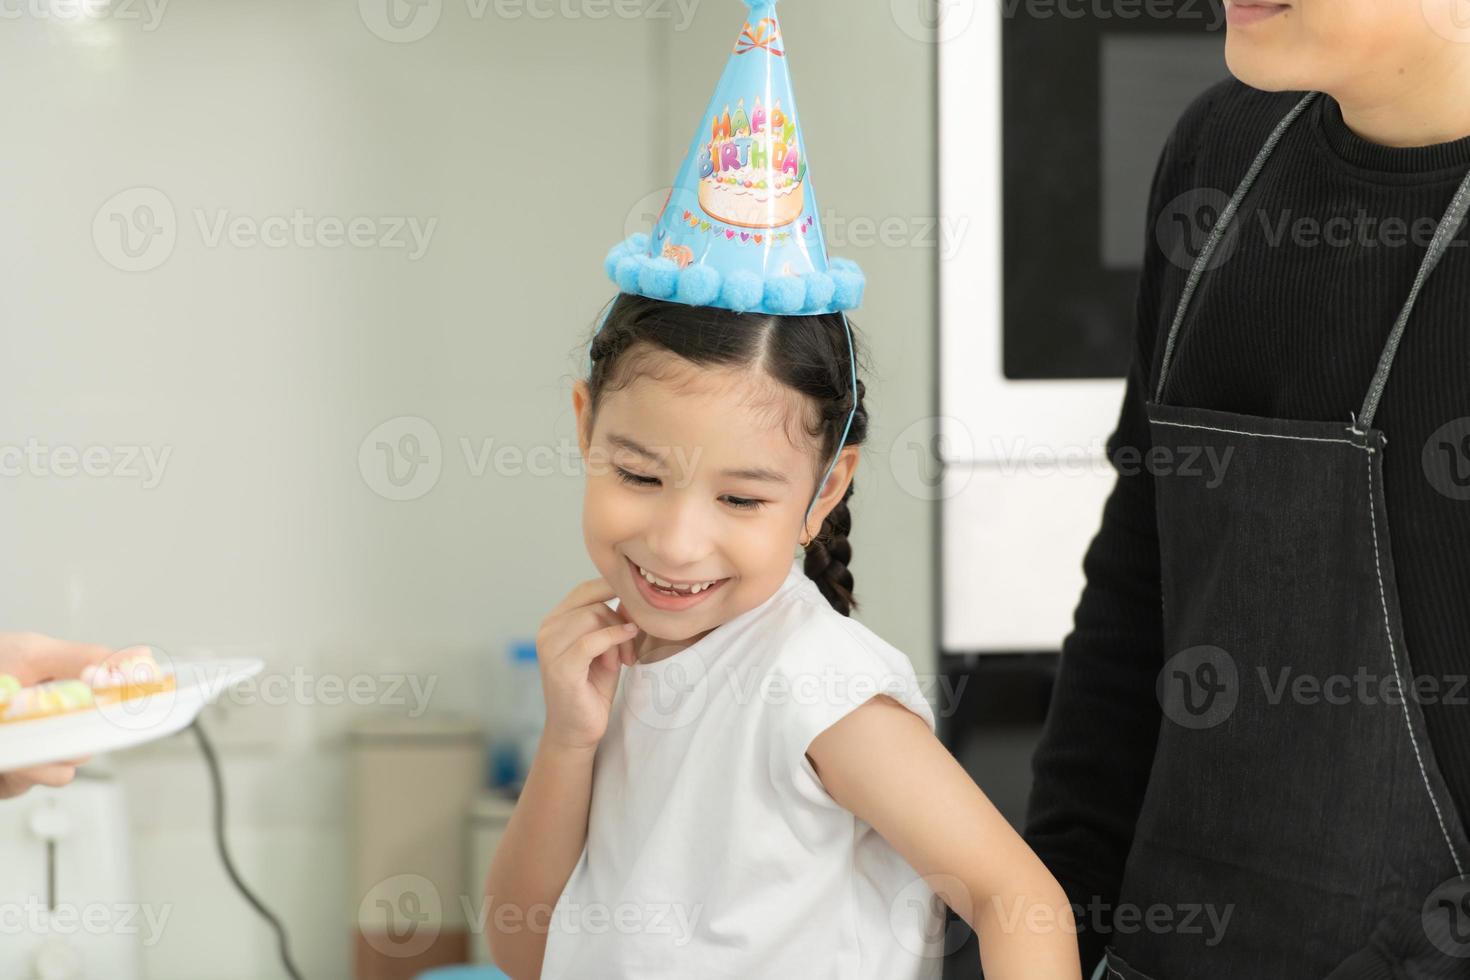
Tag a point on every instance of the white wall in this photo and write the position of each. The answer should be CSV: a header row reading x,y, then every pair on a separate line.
x,y
259,371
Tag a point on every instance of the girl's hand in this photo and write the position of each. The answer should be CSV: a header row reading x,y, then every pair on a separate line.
x,y
581,647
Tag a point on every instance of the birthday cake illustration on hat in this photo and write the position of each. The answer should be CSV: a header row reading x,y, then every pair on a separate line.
x,y
739,226
750,172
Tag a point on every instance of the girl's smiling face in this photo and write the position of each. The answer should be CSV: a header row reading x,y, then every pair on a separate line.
x,y
699,475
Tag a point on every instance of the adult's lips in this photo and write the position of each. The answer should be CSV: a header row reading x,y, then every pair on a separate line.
x,y
1245,12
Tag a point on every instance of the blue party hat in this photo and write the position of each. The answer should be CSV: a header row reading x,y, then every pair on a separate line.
x,y
739,227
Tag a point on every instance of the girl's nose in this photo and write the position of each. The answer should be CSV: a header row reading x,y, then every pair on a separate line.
x,y
680,537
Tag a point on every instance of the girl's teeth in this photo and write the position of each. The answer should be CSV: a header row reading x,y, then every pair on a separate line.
x,y
692,590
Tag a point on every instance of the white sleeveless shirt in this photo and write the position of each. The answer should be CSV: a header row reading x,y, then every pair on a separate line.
x,y
713,850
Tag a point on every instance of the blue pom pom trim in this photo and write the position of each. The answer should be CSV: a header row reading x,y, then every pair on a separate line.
x,y
629,265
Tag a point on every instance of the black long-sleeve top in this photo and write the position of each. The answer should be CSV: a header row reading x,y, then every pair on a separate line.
x,y
1290,326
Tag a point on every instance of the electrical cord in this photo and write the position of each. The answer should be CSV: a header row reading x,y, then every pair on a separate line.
x,y
219,836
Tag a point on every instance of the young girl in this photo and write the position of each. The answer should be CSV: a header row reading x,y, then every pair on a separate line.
x,y
735,779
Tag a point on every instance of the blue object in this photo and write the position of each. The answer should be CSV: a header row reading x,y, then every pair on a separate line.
x,y
463,972
523,650
739,229
505,766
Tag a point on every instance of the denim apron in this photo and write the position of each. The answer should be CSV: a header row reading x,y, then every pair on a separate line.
x,y
1285,835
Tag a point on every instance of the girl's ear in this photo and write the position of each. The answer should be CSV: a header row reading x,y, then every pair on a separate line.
x,y
581,399
834,491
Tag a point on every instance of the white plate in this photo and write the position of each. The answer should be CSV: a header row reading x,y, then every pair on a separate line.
x,y
108,727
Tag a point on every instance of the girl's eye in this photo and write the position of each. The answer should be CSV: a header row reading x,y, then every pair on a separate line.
x,y
633,478
739,503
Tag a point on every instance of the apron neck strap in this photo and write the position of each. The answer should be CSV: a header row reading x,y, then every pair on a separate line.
x,y
1218,231
1444,232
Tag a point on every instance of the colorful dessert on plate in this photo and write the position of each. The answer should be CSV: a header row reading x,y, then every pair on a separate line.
x,y
42,700
129,673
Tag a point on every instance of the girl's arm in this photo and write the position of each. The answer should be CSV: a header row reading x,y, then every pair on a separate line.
x,y
580,649
883,764
536,855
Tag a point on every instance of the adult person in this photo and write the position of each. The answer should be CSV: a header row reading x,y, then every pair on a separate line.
x,y
1227,785
33,658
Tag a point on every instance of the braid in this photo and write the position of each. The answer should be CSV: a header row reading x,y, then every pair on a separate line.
x,y
828,555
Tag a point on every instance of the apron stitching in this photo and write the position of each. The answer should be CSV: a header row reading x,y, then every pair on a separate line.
x,y
1393,656
1265,435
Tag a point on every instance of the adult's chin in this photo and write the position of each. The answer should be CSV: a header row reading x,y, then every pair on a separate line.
x,y
1269,64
